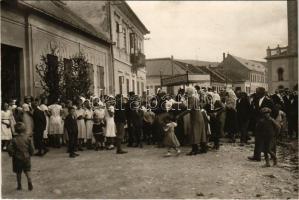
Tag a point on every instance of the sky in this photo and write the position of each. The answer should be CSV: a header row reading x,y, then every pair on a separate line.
x,y
203,30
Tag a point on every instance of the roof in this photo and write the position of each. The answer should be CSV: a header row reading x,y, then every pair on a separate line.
x,y
164,65
200,62
131,14
58,11
250,64
188,67
230,77
215,74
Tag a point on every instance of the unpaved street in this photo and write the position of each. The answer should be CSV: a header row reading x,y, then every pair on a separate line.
x,y
145,173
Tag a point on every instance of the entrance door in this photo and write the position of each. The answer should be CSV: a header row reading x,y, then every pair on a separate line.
x,y
10,73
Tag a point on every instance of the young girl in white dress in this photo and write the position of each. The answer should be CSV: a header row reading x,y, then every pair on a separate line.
x,y
170,139
55,124
45,109
80,112
88,124
7,124
110,132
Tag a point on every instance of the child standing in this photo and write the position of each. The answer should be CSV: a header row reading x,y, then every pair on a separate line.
x,y
98,133
266,129
88,123
80,112
170,140
21,151
71,127
110,128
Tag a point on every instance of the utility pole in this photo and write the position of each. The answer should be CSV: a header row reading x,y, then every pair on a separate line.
x,y
161,79
172,65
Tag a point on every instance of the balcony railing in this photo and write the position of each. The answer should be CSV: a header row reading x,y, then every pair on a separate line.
x,y
276,51
137,60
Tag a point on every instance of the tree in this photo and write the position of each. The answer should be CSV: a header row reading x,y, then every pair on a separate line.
x,y
51,72
77,78
64,78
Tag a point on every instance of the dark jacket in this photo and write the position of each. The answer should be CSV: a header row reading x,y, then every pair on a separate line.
x,y
266,128
39,120
231,120
287,104
137,118
70,124
267,102
277,100
120,114
21,147
294,108
243,109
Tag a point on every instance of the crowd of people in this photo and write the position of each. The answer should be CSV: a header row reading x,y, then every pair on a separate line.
x,y
195,116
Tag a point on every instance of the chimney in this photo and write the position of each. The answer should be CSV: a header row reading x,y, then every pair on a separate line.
x,y
223,56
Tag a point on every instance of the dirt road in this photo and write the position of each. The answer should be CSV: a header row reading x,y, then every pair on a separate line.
x,y
145,173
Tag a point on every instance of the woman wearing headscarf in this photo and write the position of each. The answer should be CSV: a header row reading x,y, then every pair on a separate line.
x,y
197,131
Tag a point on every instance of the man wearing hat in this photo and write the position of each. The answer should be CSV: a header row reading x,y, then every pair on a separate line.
x,y
40,124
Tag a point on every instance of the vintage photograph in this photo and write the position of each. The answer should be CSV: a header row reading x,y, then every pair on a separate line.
x,y
149,99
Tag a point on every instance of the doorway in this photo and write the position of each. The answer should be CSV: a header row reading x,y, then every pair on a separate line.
x,y
10,72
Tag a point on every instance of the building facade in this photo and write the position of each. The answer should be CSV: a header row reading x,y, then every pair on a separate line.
x,y
218,81
30,29
282,62
127,33
244,74
170,74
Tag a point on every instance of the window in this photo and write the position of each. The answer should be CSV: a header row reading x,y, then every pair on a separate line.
x,y
91,76
280,74
67,68
133,85
120,81
142,87
247,90
117,34
132,43
100,79
138,88
125,39
128,86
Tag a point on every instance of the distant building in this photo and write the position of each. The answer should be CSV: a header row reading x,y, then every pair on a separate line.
x,y
218,81
128,49
30,29
172,74
244,74
282,62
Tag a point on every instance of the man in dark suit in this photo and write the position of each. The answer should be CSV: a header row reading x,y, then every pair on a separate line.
x,y
137,122
293,114
40,123
120,121
288,99
277,98
261,102
128,112
243,110
70,124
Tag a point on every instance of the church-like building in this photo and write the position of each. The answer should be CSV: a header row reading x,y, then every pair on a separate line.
x,y
282,62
